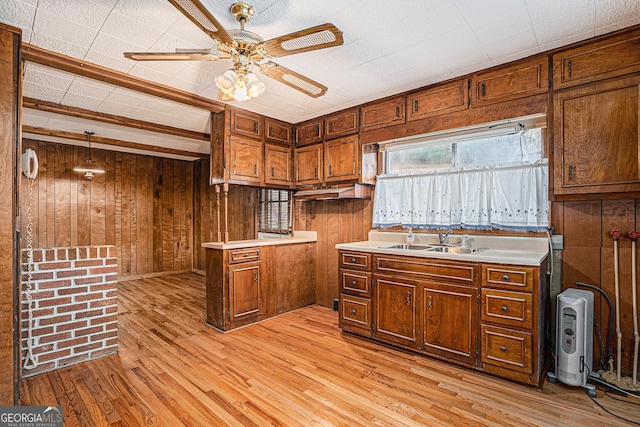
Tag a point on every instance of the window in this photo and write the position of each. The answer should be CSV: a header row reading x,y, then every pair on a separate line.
x,y
274,211
480,178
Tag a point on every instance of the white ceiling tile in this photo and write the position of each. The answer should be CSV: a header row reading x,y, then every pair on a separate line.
x,y
63,29
45,76
43,93
35,118
118,64
611,12
58,45
557,31
75,11
157,14
17,13
81,101
149,72
458,49
126,28
97,89
516,42
543,11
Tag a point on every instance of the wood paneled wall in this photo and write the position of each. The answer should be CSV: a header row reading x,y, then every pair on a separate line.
x,y
143,205
335,221
242,220
588,257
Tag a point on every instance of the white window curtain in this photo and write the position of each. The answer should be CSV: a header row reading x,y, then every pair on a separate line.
x,y
510,197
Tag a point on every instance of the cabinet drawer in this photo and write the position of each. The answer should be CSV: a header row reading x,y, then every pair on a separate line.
x,y
507,308
437,100
355,312
507,348
342,123
383,113
243,255
507,277
426,268
356,283
359,261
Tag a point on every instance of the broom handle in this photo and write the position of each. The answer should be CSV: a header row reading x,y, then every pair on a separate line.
x,y
617,292
636,337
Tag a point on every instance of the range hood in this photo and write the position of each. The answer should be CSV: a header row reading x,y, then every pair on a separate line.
x,y
356,191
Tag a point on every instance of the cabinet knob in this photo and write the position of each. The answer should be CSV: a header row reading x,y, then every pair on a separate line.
x,y
397,112
503,348
415,105
505,278
255,127
353,260
272,171
354,283
329,170
353,311
504,308
408,298
246,254
482,90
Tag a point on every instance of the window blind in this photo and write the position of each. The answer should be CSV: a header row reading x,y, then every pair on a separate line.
x,y
274,213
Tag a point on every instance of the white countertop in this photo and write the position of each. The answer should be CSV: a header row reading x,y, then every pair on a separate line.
x,y
298,237
499,249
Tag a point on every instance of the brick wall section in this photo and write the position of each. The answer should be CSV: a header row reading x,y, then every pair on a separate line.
x,y
75,305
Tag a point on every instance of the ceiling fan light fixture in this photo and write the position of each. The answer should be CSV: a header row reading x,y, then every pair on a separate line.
x,y
239,86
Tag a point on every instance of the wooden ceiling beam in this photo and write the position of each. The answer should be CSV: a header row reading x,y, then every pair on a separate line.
x,y
58,61
52,107
110,141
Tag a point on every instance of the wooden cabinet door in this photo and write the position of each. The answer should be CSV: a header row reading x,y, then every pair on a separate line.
x,y
384,113
244,292
278,164
342,123
341,159
596,138
246,123
396,310
440,99
525,78
308,162
277,131
449,321
246,158
309,132
591,62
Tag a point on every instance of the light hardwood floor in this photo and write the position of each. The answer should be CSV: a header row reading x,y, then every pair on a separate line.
x,y
294,370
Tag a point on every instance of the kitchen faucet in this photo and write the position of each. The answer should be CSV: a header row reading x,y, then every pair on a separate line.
x,y
443,237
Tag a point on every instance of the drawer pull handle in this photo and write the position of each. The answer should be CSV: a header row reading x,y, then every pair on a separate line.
x,y
353,311
505,277
245,254
354,283
504,308
503,348
408,298
353,260
430,303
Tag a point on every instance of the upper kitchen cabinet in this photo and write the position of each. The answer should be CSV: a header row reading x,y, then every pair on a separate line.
x,y
277,132
383,113
245,161
345,122
310,132
308,163
278,162
342,159
439,99
246,124
591,62
596,138
526,78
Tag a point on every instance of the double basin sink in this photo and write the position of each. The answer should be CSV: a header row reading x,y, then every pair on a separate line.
x,y
441,248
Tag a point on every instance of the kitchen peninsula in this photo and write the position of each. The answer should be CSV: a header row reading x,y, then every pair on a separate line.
x,y
252,280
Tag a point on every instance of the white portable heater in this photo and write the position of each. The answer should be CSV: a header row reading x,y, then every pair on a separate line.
x,y
574,337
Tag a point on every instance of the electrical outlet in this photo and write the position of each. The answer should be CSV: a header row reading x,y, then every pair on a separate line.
x,y
335,305
557,242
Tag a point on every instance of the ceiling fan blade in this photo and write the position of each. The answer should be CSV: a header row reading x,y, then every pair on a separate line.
x,y
199,15
293,79
178,55
320,37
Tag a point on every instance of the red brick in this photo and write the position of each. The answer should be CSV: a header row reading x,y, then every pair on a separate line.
x,y
87,280
53,320
41,368
52,302
111,278
73,290
104,252
72,342
111,310
72,307
38,276
89,331
104,352
103,286
41,331
54,284
103,303
111,342
40,295
50,255
41,349
93,252
103,270
71,326
112,294
42,313
113,252
111,326
37,255
104,336
71,273
89,263
89,297
111,261
82,253
89,313
87,348
67,361
105,319
55,337
62,254
72,253
54,265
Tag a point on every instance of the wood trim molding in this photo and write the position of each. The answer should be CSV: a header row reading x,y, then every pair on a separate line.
x,y
58,61
110,141
52,107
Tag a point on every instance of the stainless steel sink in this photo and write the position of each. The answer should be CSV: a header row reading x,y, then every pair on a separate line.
x,y
455,250
409,247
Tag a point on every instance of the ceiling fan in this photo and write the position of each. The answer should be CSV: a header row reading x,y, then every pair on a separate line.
x,y
247,49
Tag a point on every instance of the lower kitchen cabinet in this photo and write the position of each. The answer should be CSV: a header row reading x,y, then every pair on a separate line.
x,y
489,317
245,285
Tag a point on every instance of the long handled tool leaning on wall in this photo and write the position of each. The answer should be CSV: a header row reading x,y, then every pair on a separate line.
x,y
615,234
633,235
